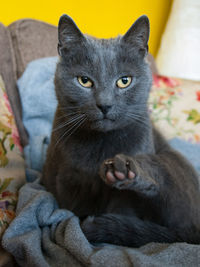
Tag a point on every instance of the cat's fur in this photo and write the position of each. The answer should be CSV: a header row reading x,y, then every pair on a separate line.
x,y
162,202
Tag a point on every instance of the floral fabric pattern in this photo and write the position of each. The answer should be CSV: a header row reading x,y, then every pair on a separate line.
x,y
12,170
174,106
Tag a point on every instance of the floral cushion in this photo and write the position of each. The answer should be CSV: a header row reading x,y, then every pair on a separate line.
x,y
12,169
175,108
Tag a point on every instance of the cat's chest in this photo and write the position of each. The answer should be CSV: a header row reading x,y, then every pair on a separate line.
x,y
87,157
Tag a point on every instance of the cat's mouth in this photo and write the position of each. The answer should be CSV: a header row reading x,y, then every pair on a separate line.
x,y
103,124
104,119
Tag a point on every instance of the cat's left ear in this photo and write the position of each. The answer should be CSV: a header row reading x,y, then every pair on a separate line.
x,y
138,35
68,33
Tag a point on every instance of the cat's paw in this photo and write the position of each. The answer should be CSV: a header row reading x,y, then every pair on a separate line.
x,y
131,173
119,171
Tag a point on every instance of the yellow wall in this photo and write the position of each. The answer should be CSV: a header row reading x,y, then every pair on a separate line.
x,y
102,18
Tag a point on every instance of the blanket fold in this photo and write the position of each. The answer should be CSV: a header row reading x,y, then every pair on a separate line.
x,y
44,235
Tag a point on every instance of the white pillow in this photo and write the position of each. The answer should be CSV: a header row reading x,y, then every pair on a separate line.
x,y
179,52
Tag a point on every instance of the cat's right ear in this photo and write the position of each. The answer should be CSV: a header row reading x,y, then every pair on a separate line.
x,y
138,35
68,33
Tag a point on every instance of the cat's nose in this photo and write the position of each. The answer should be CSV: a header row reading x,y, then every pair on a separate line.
x,y
104,109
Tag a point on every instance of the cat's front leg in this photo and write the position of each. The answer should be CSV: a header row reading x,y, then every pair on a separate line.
x,y
128,173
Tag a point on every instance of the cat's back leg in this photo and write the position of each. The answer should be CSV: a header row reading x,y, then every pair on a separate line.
x,y
126,231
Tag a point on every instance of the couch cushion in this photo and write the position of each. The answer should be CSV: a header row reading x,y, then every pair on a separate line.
x,y
12,169
32,39
8,72
7,60
175,108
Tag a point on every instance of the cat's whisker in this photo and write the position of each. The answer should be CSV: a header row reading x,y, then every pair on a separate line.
x,y
75,126
135,115
139,119
67,116
68,112
69,109
69,129
70,121
65,123
138,116
133,108
73,130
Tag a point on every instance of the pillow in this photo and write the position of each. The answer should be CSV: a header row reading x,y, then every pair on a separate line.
x,y
8,72
178,55
12,169
175,108
32,39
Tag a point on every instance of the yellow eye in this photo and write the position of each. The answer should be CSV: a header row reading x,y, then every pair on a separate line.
x,y
124,82
85,81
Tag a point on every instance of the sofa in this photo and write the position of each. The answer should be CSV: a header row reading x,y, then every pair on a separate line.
x,y
26,40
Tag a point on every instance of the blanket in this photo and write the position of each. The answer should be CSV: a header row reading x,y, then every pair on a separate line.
x,y
44,235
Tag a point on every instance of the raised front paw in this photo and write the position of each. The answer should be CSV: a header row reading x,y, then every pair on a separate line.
x,y
132,173
118,172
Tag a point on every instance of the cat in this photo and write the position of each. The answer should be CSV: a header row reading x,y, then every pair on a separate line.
x,y
106,162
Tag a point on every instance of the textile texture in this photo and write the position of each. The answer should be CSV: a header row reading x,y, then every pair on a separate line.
x,y
8,72
175,106
44,235
12,167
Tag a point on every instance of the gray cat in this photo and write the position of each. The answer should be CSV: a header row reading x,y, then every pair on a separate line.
x,y
106,162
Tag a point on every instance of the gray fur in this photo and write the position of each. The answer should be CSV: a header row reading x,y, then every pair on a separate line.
x,y
92,125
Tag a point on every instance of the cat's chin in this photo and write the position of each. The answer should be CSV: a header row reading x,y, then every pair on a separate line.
x,y
103,125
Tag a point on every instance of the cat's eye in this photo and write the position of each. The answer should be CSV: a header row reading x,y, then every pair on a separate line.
x,y
124,82
85,81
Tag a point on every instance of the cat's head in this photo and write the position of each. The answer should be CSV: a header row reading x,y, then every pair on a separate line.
x,y
105,80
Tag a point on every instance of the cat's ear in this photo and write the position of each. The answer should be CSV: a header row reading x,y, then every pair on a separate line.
x,y
138,34
68,33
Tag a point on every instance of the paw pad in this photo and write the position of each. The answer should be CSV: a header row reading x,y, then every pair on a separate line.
x,y
116,172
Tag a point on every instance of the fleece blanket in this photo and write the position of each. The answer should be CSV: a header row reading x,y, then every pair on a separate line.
x,y
44,235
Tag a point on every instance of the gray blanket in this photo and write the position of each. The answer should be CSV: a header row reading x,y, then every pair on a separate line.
x,y
43,235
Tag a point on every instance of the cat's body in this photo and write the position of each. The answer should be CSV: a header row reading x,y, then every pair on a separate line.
x,y
84,155
105,159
